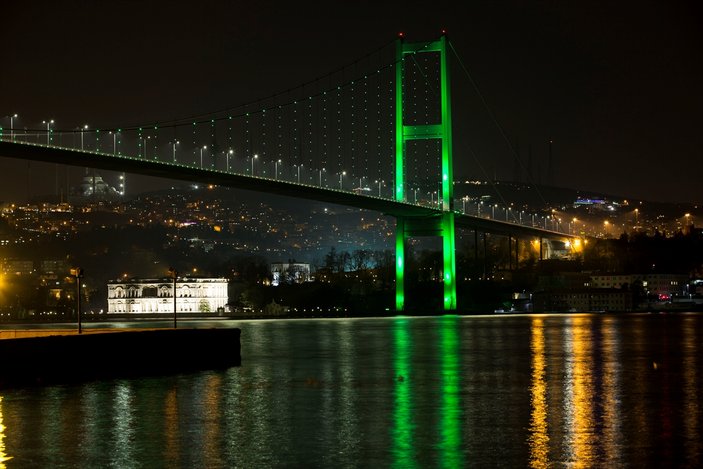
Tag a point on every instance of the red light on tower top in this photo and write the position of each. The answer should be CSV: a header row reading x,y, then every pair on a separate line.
x,y
444,31
401,34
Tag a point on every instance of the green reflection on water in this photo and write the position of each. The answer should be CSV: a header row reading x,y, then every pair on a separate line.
x,y
450,419
403,425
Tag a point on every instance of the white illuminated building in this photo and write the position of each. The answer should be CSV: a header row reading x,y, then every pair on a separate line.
x,y
146,296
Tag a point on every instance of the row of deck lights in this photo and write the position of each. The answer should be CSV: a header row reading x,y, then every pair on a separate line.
x,y
278,162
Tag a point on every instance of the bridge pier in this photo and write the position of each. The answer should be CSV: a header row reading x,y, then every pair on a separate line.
x,y
439,225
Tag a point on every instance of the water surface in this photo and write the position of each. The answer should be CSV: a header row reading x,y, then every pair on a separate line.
x,y
451,391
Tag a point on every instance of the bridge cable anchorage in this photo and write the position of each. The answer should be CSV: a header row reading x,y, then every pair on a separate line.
x,y
496,123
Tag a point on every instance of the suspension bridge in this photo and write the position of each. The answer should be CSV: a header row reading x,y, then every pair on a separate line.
x,y
376,135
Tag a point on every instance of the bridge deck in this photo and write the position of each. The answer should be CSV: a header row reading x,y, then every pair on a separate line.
x,y
160,169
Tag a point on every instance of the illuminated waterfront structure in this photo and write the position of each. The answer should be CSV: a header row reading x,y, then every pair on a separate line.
x,y
290,272
148,296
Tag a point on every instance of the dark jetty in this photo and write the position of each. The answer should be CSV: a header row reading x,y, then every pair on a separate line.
x,y
57,359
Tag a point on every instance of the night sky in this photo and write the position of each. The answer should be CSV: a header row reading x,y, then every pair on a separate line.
x,y
617,86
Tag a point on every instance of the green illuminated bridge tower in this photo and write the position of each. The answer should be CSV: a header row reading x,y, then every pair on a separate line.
x,y
437,225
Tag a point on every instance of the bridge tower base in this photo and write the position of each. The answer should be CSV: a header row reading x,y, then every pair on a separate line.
x,y
439,225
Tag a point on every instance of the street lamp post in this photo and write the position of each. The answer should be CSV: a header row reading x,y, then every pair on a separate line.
x,y
275,169
201,155
12,127
174,275
230,152
144,139
48,130
341,175
297,169
83,129
174,149
114,142
252,163
77,273
320,179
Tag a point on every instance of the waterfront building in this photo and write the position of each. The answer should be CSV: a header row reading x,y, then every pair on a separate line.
x,y
665,285
584,299
148,296
289,272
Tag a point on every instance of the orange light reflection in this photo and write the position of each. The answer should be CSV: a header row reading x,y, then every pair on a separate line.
x,y
539,437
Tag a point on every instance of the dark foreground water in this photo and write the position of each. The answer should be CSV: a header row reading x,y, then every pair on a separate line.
x,y
492,391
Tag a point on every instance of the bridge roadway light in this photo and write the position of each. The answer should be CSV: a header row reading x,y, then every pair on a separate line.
x,y
227,153
12,127
275,168
83,129
201,155
341,175
114,141
252,163
48,130
177,142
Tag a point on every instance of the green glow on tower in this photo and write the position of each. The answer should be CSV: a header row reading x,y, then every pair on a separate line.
x,y
443,132
400,264
447,171
399,137
449,257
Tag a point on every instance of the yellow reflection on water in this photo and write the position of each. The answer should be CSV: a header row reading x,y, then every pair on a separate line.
x,y
212,410
539,436
580,435
171,432
583,396
691,399
3,455
612,432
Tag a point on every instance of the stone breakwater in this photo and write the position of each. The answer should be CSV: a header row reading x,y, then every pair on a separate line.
x,y
62,356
